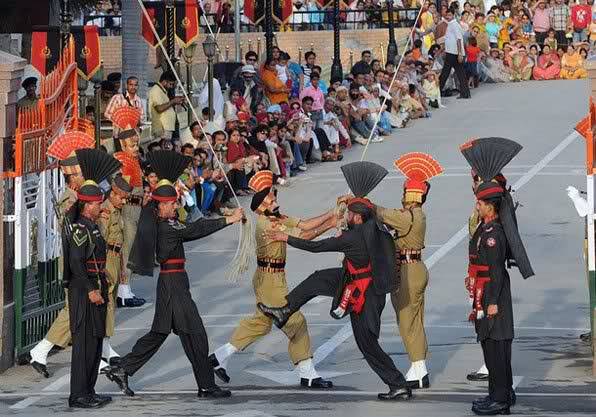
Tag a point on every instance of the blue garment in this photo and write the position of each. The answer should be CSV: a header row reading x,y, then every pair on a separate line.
x,y
315,18
208,193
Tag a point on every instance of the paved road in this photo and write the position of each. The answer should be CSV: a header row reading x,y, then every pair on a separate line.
x,y
551,365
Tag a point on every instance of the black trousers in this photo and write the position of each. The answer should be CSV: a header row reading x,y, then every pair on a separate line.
x,y
561,37
497,357
86,355
195,346
540,37
452,62
325,283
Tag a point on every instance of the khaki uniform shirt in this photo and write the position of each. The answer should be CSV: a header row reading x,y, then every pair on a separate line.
x,y
160,121
266,249
409,225
67,199
110,224
26,102
473,223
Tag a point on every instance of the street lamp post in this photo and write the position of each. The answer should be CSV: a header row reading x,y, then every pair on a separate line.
x,y
65,21
171,29
392,45
96,80
336,70
210,49
268,28
189,53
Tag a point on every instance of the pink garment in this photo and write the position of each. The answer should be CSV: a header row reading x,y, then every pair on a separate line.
x,y
317,96
541,20
544,72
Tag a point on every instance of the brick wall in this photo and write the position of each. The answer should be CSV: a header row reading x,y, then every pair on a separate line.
x,y
320,41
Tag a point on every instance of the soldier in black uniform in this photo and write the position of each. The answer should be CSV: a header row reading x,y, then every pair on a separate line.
x,y
369,262
174,308
84,271
495,246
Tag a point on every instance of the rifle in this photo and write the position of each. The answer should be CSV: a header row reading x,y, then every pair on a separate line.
x,y
66,224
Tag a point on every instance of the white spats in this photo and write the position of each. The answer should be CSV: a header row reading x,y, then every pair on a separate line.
x,y
483,370
223,353
306,369
106,349
40,352
102,364
417,371
124,291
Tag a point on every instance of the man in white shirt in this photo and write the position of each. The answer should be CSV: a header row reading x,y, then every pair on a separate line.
x,y
455,55
163,115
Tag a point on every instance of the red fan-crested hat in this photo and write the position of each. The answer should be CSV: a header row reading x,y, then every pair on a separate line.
x,y
65,145
418,167
261,181
131,168
126,117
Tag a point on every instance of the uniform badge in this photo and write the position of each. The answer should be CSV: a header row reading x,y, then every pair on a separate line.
x,y
79,236
491,242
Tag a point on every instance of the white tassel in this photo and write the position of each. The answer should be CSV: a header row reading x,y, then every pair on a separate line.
x,y
245,253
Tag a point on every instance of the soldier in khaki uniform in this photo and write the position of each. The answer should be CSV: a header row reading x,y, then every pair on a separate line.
x,y
111,228
409,224
127,118
270,285
63,149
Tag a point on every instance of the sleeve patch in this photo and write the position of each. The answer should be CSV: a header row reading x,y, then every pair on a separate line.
x,y
491,242
79,236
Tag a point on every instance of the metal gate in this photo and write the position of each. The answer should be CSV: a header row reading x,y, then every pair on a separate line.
x,y
31,222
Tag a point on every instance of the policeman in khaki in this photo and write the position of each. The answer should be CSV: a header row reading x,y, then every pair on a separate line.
x,y
63,149
270,285
111,227
409,225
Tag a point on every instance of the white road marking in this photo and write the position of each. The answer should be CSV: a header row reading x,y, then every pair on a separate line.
x,y
21,405
199,249
248,413
54,386
346,331
302,392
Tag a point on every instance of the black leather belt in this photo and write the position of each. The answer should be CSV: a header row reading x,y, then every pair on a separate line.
x,y
135,200
410,258
268,264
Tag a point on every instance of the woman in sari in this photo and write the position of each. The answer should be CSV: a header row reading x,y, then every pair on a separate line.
x,y
521,66
572,65
548,66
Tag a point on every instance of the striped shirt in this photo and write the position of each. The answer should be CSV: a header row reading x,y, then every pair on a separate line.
x,y
120,100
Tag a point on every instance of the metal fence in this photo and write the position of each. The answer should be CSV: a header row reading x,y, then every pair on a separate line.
x,y
376,18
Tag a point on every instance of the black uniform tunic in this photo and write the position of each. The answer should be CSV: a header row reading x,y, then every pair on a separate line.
x,y
366,325
174,307
85,259
489,247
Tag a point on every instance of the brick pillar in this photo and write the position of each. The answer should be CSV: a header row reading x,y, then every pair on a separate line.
x,y
11,72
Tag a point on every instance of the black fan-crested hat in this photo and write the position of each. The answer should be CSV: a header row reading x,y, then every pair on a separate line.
x,y
96,166
168,165
488,156
362,177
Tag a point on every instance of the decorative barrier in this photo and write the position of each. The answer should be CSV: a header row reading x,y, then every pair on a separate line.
x,y
38,292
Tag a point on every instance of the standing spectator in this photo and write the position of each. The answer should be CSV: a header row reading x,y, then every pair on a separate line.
x,y
316,18
163,116
560,21
541,21
276,91
318,99
299,19
471,65
128,98
364,65
454,56
309,58
492,30
581,16
30,100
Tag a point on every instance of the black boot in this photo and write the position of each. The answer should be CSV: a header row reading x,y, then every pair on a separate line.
x,y
394,394
279,315
316,383
419,383
103,399
482,401
88,401
491,408
475,376
512,398
218,370
214,392
40,368
120,377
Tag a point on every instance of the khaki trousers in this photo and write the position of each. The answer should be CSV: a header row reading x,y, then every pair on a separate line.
x,y
59,333
408,303
130,219
113,267
271,289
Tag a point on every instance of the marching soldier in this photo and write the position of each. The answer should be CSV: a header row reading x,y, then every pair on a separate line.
x,y
409,225
270,286
366,276
174,307
494,247
127,118
111,227
84,270
63,149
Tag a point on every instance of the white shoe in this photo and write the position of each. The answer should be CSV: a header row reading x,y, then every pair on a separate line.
x,y
302,168
376,139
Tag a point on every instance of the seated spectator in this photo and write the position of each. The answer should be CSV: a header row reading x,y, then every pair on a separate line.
x,y
572,65
275,90
413,104
364,65
378,110
249,87
235,104
551,40
333,127
242,163
318,99
493,70
521,66
360,117
203,172
430,85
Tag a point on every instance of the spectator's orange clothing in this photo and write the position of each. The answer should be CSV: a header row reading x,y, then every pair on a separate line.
x,y
271,81
416,54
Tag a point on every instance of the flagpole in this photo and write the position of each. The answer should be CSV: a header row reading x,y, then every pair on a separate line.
x,y
237,56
